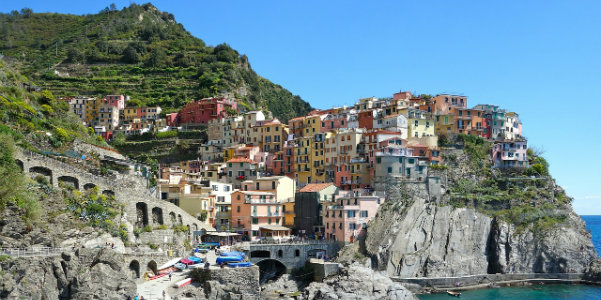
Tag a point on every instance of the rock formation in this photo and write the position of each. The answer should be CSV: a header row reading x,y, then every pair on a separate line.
x,y
85,274
357,282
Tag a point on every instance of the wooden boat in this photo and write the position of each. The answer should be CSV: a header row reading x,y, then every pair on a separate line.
x,y
454,294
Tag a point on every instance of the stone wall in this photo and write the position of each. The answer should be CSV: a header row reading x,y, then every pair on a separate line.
x,y
291,255
486,279
142,207
238,283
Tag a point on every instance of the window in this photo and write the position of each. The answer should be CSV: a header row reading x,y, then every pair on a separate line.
x,y
378,160
350,214
389,169
215,188
364,214
351,226
238,207
255,221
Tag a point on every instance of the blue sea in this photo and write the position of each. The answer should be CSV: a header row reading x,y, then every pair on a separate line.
x,y
536,292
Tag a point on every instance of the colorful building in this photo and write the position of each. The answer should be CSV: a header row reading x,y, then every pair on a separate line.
x,y
348,216
201,111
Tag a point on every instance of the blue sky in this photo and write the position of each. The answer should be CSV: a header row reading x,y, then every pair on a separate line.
x,y
539,58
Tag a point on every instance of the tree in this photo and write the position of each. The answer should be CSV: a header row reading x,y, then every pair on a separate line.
x,y
156,58
75,55
26,12
113,7
130,55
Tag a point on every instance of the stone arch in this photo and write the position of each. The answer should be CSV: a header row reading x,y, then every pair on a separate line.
x,y
260,253
88,186
134,268
270,269
141,214
179,220
69,180
108,193
152,267
41,171
20,164
172,217
157,215
194,227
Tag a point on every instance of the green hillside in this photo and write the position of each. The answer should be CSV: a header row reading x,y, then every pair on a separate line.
x,y
139,51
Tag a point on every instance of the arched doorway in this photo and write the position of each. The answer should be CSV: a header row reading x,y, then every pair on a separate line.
x,y
41,172
108,193
157,216
271,269
20,164
172,217
69,181
152,267
141,214
88,186
179,219
134,267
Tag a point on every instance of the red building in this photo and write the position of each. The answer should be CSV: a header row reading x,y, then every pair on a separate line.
x,y
366,119
201,111
117,101
171,119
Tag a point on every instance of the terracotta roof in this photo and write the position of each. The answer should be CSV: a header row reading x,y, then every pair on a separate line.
x,y
297,118
315,187
241,160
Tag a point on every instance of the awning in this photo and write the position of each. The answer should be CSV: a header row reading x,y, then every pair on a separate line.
x,y
221,233
274,228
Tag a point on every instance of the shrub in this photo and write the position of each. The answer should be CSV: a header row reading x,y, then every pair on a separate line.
x,y
61,134
147,228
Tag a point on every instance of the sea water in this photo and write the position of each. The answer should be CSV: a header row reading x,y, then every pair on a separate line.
x,y
536,292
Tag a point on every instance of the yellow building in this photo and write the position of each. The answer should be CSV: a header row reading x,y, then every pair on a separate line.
x,y
289,215
91,110
317,158
312,125
273,135
445,124
302,160
420,123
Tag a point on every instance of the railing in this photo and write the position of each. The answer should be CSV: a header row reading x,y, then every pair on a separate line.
x,y
41,251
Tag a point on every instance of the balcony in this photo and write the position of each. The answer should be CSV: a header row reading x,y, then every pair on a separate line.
x,y
269,214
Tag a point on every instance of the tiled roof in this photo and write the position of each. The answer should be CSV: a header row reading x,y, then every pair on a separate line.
x,y
315,187
241,160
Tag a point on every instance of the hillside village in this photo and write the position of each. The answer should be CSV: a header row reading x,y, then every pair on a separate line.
x,y
322,175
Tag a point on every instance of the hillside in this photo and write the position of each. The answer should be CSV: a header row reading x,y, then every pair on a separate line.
x,y
138,51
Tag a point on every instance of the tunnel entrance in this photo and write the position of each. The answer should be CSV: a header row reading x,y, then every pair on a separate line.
x,y
270,269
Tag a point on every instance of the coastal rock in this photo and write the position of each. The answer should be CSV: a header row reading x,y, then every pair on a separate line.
x,y
430,240
357,282
593,272
84,274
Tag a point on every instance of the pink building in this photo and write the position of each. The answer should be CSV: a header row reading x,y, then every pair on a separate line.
x,y
347,216
201,111
117,101
510,154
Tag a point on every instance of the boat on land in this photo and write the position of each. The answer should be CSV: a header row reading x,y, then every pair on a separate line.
x,y
454,294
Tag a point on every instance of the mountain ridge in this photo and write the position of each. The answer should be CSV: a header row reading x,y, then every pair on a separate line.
x,y
138,51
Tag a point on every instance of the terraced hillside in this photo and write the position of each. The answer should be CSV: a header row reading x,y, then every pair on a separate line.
x,y
139,51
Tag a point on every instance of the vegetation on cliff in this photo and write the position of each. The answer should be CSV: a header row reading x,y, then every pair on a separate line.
x,y
139,51
519,196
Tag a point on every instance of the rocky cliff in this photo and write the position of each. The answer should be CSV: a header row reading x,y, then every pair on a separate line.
x,y
84,274
485,222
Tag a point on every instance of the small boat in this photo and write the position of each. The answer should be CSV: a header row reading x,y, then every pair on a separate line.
x,y
233,253
183,283
454,294
228,259
195,260
180,266
239,264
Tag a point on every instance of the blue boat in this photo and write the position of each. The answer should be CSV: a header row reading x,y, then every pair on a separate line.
x,y
239,264
233,253
180,266
195,259
228,259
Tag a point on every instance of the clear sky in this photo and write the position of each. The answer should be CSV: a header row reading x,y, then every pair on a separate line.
x,y
541,59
